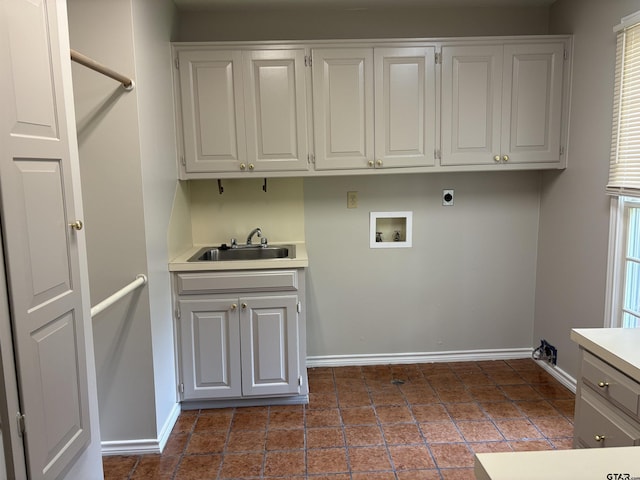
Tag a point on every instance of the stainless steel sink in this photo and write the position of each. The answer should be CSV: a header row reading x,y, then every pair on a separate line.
x,y
243,252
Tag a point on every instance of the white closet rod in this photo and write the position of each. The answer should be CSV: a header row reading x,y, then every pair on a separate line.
x,y
107,302
78,57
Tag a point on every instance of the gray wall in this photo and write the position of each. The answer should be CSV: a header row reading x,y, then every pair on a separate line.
x,y
307,24
127,160
467,283
574,210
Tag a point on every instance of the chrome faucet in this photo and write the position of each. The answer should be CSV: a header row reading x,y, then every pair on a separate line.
x,y
255,231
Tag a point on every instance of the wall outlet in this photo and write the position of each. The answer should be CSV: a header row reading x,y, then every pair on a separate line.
x,y
447,197
352,199
546,352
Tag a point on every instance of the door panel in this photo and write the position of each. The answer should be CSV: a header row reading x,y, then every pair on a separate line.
x,y
212,110
405,106
471,100
276,113
210,336
532,105
269,331
41,250
343,107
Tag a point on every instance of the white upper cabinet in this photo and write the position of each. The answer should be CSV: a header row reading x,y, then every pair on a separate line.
x,y
328,108
502,104
275,109
212,101
343,107
405,112
243,111
374,108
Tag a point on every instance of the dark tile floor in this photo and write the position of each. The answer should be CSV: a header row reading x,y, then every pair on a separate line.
x,y
396,422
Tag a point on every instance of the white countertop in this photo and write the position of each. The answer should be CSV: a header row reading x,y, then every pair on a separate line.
x,y
580,464
180,263
619,347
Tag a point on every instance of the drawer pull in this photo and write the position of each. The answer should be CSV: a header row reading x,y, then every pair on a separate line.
x,y
603,384
599,438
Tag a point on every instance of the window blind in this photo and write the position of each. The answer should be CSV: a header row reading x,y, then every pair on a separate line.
x,y
624,167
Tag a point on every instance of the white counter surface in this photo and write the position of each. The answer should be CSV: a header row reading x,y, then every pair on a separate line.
x,y
581,464
619,347
180,263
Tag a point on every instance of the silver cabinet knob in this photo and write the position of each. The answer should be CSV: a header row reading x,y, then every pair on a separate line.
x,y
505,158
496,158
379,163
603,384
243,166
370,163
77,225
244,306
251,166
234,306
599,438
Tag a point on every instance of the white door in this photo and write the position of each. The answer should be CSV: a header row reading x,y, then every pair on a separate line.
x,y
41,248
275,110
210,348
405,107
212,110
471,104
269,336
343,108
532,102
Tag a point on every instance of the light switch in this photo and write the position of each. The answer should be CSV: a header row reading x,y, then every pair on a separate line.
x,y
352,199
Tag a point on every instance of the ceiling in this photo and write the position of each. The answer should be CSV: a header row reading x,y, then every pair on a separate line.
x,y
212,5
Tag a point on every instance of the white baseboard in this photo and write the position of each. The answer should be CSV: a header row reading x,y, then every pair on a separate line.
x,y
143,446
563,377
417,357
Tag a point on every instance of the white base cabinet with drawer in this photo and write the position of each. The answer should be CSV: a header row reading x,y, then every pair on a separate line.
x,y
607,410
241,338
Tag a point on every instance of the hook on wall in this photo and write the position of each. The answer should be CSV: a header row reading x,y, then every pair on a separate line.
x,y
220,188
264,185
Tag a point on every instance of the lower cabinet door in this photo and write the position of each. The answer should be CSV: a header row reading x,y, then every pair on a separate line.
x,y
269,339
210,353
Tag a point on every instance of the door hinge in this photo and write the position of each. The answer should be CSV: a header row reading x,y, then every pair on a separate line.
x,y
565,55
300,380
181,388
21,425
176,62
178,313
183,161
561,150
438,58
299,307
436,154
311,158
308,61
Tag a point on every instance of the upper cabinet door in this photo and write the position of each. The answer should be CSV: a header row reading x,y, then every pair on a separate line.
x,y
276,110
532,102
405,109
471,104
212,110
343,108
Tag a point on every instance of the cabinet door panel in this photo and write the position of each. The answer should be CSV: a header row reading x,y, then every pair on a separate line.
x,y
212,110
405,106
276,113
210,356
343,107
269,330
532,105
471,86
